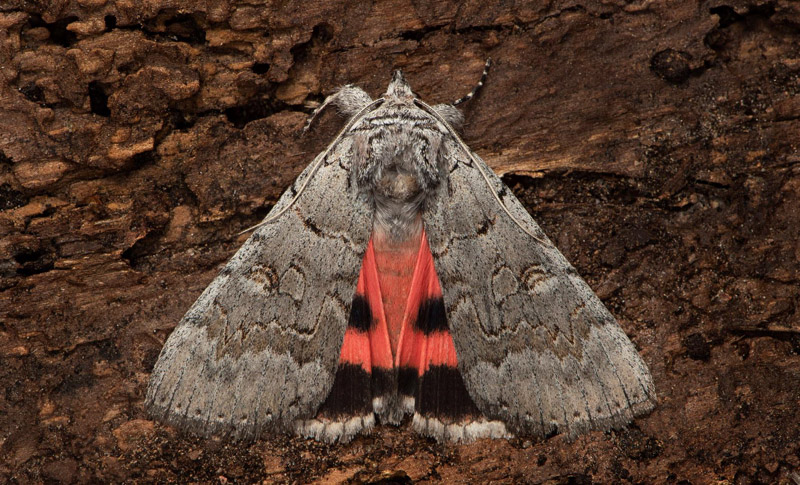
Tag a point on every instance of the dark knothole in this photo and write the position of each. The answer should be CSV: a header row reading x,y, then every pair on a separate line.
x,y
58,29
32,92
260,67
98,99
186,29
671,65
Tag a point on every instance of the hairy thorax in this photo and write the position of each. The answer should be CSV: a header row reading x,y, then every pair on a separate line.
x,y
398,200
398,159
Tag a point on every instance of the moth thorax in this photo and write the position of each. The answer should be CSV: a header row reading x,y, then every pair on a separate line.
x,y
398,186
398,198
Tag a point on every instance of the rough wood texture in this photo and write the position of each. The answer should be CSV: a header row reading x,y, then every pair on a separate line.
x,y
655,142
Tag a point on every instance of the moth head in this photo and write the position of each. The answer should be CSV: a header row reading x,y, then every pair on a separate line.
x,y
399,88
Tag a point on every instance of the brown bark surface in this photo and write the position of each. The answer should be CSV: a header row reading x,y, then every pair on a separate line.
x,y
654,140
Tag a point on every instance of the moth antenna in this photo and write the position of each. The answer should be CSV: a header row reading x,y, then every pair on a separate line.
x,y
478,86
432,112
317,111
317,162
349,98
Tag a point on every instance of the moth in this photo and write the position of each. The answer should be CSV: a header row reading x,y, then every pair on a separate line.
x,y
398,276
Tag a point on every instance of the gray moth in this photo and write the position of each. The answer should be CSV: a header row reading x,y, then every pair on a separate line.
x,y
299,333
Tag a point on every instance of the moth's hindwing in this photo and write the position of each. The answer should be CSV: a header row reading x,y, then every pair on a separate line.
x,y
429,376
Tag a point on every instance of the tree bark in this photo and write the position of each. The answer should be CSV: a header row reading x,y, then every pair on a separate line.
x,y
654,140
